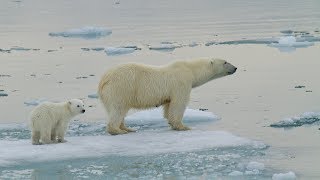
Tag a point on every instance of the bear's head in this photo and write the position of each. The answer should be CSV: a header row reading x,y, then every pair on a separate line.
x,y
76,106
222,68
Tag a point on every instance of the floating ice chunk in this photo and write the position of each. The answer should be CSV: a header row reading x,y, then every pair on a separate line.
x,y
305,118
85,32
163,47
17,48
133,144
95,96
98,49
16,174
34,102
290,43
236,173
2,93
255,166
115,51
193,44
284,176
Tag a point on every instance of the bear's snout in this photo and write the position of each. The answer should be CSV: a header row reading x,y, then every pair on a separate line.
x,y
233,71
83,111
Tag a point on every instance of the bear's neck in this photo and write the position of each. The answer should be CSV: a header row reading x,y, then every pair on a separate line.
x,y
201,76
68,111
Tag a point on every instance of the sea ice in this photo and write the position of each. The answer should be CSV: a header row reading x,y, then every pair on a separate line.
x,y
115,51
284,176
88,32
305,118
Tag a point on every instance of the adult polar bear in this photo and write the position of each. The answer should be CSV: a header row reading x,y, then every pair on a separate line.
x,y
141,86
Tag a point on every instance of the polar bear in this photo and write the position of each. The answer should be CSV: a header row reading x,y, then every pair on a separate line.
x,y
138,86
49,121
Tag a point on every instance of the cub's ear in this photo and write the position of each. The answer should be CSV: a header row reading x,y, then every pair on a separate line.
x,y
211,62
69,102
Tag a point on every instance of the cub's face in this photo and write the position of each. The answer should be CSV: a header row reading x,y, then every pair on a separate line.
x,y
76,106
222,67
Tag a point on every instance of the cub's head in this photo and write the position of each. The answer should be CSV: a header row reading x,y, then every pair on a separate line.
x,y
76,106
222,67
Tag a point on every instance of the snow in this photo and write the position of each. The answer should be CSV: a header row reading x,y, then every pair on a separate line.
x,y
305,118
88,32
284,176
115,51
133,144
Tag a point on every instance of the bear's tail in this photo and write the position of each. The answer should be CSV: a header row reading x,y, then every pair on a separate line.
x,y
102,95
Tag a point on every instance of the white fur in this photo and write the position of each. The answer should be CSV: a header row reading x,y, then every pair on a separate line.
x,y
49,121
141,86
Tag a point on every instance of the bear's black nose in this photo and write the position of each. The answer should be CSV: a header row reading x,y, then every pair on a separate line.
x,y
83,111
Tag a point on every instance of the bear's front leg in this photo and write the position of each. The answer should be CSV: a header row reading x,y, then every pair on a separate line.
x,y
35,137
60,131
175,115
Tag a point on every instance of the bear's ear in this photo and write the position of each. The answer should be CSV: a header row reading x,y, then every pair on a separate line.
x,y
69,102
211,62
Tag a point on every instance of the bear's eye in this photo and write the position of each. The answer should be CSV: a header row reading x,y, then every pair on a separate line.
x,y
225,62
78,106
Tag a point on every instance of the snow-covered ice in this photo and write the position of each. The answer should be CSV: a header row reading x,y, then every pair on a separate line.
x,y
134,144
284,176
305,118
115,51
88,32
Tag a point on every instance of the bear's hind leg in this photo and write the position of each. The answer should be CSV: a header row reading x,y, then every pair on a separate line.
x,y
45,137
35,137
115,120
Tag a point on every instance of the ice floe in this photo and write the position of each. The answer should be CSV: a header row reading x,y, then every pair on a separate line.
x,y
145,142
163,47
284,176
290,43
115,51
305,118
88,32
134,144
2,93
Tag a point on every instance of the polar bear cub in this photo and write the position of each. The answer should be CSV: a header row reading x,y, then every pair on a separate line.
x,y
49,121
139,86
